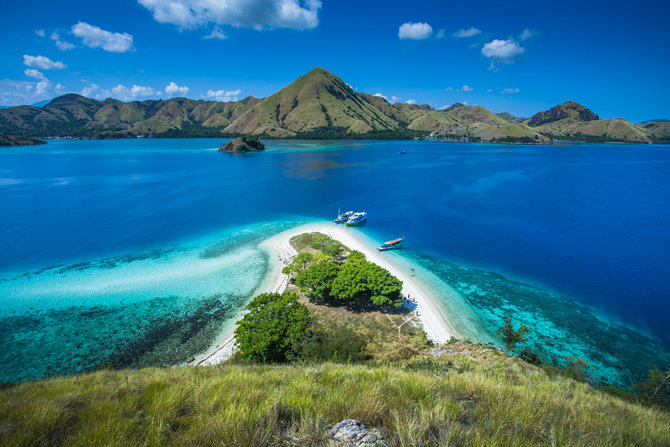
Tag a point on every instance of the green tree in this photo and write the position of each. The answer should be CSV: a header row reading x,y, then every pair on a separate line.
x,y
511,336
273,326
299,263
317,280
356,257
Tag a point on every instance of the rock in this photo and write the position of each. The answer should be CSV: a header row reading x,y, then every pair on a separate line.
x,y
246,143
353,433
190,359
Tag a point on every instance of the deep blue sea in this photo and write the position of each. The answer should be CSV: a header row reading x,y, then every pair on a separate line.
x,y
130,253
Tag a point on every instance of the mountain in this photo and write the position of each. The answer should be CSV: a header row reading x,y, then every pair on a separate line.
x,y
511,118
658,130
316,105
76,115
572,121
480,124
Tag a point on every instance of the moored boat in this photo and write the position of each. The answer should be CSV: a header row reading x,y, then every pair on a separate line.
x,y
391,245
357,219
343,217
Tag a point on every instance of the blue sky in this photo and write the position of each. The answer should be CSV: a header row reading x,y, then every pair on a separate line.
x,y
519,57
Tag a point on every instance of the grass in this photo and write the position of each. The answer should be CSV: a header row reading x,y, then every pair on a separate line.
x,y
430,403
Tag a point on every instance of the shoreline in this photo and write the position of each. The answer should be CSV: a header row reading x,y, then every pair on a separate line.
x,y
278,248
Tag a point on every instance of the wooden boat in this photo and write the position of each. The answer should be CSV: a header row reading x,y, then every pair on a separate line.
x,y
392,245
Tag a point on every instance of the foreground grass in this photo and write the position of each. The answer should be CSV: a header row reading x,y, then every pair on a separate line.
x,y
429,403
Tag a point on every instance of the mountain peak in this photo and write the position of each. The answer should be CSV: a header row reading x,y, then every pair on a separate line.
x,y
70,99
569,110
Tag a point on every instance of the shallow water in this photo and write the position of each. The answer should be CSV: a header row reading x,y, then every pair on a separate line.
x,y
134,252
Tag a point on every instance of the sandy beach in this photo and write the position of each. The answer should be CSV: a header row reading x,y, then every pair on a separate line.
x,y
278,248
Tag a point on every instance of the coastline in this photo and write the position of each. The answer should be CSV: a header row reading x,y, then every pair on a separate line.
x,y
433,320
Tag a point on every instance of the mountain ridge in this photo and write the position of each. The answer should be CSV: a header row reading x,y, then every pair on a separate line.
x,y
317,104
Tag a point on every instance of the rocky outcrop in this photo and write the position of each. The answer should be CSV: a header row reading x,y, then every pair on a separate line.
x,y
352,433
244,143
17,140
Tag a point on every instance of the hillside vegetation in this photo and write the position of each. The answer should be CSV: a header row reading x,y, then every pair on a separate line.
x,y
316,105
369,362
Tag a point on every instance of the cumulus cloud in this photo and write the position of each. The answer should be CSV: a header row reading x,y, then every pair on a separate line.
x,y
527,34
95,37
130,94
449,89
257,14
381,96
216,34
411,101
472,31
40,32
42,62
61,44
504,51
395,99
509,91
415,31
224,95
466,88
173,89
42,85
441,34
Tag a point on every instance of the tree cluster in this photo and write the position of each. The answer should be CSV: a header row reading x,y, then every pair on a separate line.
x,y
354,281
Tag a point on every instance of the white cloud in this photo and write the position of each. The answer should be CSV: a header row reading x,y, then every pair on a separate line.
x,y
472,31
224,95
42,85
527,34
502,50
91,90
415,31
441,33
411,101
381,96
509,91
32,73
466,88
42,62
216,34
40,32
174,90
136,91
257,14
62,45
95,37
449,89
444,107
395,99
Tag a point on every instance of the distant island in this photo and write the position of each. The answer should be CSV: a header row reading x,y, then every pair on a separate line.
x,y
315,106
244,143
18,140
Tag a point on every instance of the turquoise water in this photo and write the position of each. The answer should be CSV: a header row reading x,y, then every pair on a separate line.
x,y
135,252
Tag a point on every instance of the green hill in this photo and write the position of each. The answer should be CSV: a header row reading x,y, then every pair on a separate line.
x,y
316,101
480,124
572,121
76,115
469,396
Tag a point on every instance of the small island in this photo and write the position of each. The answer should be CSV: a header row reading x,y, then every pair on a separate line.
x,y
244,143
